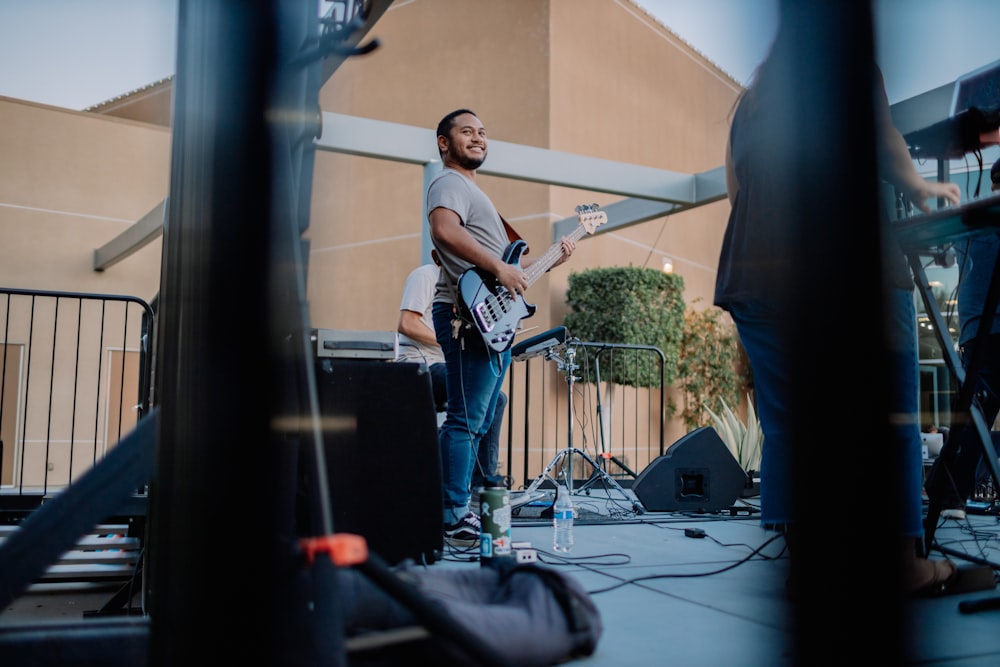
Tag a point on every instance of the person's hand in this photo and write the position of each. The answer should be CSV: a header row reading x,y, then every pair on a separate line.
x,y
567,245
512,278
926,190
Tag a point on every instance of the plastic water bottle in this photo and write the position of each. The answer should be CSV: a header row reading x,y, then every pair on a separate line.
x,y
562,520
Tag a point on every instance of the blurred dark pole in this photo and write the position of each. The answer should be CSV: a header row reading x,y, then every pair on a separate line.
x,y
825,146
226,585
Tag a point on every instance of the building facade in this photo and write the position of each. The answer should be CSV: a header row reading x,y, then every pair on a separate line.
x,y
594,78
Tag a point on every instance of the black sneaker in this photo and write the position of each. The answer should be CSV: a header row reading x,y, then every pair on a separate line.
x,y
465,532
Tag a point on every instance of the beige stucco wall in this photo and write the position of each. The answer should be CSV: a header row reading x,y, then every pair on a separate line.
x,y
70,182
625,88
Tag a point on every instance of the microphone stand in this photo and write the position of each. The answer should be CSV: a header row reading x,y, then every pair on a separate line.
x,y
568,366
605,455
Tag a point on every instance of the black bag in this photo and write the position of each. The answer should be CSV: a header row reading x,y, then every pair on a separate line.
x,y
526,615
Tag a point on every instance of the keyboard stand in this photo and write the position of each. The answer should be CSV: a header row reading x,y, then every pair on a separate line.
x,y
956,465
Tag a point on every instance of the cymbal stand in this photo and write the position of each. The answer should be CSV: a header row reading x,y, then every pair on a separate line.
x,y
568,365
605,455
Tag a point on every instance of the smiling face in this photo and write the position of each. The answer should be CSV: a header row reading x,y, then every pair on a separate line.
x,y
465,146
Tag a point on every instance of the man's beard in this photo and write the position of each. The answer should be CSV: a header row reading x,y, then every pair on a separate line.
x,y
470,163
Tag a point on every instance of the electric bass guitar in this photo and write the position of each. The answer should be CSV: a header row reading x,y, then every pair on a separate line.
x,y
495,312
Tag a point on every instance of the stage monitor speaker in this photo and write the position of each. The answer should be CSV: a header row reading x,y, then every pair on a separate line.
x,y
697,473
382,457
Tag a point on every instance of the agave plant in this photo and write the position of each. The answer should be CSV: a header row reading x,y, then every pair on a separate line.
x,y
743,439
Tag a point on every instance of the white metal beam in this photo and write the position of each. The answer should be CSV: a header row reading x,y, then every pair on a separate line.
x,y
417,145
650,193
132,239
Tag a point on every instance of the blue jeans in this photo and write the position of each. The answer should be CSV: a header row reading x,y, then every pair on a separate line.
x,y
489,447
761,334
475,375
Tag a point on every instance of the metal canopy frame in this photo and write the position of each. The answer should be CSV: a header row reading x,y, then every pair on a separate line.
x,y
650,193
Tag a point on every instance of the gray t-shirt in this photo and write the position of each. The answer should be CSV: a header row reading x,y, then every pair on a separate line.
x,y
451,190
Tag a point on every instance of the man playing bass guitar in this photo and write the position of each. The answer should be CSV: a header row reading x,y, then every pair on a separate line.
x,y
468,233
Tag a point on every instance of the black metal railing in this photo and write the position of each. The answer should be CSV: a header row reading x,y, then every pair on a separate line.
x,y
75,378
619,426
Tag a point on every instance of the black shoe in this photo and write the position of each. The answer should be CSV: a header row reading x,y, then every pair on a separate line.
x,y
464,532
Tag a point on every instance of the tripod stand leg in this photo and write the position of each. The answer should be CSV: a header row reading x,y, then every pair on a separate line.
x,y
631,473
597,473
603,458
545,473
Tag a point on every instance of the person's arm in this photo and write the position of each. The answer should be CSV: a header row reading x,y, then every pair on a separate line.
x,y
411,325
448,233
896,164
732,184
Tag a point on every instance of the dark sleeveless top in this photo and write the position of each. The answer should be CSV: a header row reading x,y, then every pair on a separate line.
x,y
758,246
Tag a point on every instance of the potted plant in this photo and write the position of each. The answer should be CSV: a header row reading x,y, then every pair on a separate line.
x,y
744,440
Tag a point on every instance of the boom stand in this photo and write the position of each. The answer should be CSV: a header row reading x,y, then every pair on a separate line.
x,y
605,454
568,366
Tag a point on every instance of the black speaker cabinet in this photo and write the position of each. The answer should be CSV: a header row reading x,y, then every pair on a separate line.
x,y
382,457
697,473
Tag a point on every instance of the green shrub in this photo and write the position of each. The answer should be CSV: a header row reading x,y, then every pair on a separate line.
x,y
710,365
631,306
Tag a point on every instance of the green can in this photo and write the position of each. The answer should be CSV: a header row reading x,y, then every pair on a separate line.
x,y
495,514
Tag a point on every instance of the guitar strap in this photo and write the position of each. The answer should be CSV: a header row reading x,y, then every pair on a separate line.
x,y
512,234
458,319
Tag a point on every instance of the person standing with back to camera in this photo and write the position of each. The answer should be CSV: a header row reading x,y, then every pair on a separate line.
x,y
467,232
757,254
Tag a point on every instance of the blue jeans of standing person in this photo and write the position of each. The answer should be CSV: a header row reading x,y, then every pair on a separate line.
x,y
475,374
761,334
489,447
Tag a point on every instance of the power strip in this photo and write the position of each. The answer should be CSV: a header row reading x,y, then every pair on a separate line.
x,y
526,556
523,553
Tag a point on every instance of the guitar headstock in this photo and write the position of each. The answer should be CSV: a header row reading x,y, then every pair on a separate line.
x,y
591,216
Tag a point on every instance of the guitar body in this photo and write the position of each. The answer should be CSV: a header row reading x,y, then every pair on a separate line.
x,y
492,309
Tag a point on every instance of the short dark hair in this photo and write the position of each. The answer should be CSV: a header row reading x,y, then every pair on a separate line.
x,y
448,122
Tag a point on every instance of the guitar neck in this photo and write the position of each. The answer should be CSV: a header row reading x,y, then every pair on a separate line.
x,y
551,256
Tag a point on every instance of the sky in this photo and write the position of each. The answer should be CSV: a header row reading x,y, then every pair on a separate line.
x,y
920,44
78,53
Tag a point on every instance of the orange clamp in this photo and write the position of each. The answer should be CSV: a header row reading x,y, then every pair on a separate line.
x,y
344,549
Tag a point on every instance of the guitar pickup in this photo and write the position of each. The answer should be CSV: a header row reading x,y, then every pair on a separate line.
x,y
486,324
